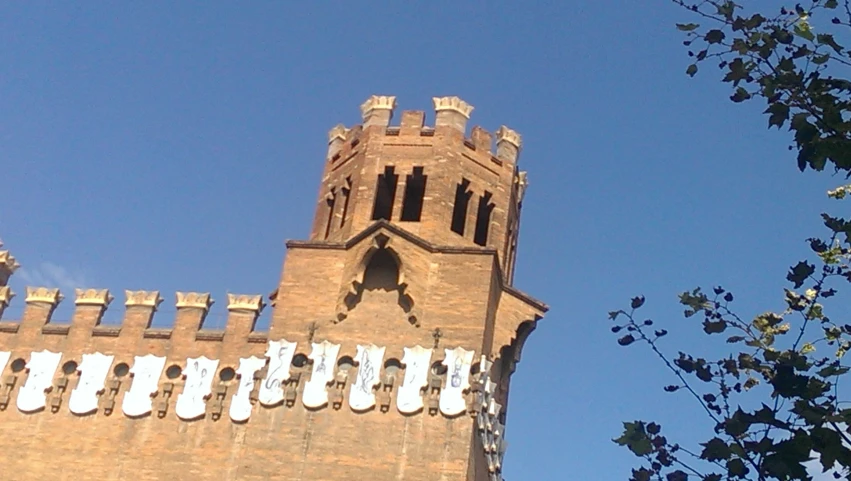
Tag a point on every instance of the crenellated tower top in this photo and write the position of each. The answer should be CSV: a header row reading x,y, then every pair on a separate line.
x,y
433,181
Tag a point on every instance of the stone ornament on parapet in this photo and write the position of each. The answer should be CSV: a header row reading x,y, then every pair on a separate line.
x,y
198,300
6,296
150,299
338,132
454,104
245,303
377,110
93,297
504,134
8,261
377,102
43,295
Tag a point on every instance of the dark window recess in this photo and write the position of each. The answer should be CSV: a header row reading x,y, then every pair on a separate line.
x,y
483,219
385,192
330,199
347,193
462,201
412,204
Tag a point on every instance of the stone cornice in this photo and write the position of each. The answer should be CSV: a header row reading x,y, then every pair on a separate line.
x,y
504,134
200,300
377,102
44,295
238,302
6,296
454,104
92,297
142,298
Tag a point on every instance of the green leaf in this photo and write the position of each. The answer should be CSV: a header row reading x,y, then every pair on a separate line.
x,y
804,32
830,371
716,327
714,36
677,476
799,273
691,70
715,450
635,438
831,4
687,27
626,340
779,114
736,467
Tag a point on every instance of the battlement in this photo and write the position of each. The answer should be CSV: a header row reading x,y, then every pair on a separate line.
x,y
451,116
397,316
140,308
8,266
96,369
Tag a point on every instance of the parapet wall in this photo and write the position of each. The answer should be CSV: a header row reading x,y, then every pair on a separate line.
x,y
190,374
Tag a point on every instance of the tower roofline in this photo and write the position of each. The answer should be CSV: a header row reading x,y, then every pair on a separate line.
x,y
428,246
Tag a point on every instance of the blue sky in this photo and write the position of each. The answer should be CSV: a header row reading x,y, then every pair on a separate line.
x,y
175,146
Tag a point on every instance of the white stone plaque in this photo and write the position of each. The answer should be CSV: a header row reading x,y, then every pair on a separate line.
x,y
199,372
146,372
324,357
457,362
409,397
361,396
240,404
280,354
93,371
42,366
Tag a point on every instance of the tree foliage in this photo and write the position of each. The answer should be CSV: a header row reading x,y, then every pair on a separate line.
x,y
773,397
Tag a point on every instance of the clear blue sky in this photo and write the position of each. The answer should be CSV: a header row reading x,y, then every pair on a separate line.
x,y
176,145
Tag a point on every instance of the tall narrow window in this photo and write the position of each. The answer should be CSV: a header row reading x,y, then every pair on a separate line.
x,y
462,201
330,199
385,192
412,204
483,219
347,193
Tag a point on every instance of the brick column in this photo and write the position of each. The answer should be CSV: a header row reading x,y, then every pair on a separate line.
x,y
378,110
242,314
451,112
508,144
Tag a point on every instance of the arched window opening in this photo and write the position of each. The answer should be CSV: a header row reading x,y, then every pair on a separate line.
x,y
330,199
412,203
483,219
347,193
459,211
385,192
382,272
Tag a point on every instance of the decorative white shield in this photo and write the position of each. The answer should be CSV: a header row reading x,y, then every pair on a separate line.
x,y
361,396
324,357
146,372
93,370
42,366
280,354
409,397
457,362
199,372
4,359
240,404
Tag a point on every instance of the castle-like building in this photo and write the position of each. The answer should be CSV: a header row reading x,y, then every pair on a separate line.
x,y
395,332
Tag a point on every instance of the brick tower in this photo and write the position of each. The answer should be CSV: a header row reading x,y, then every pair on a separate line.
x,y
393,338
